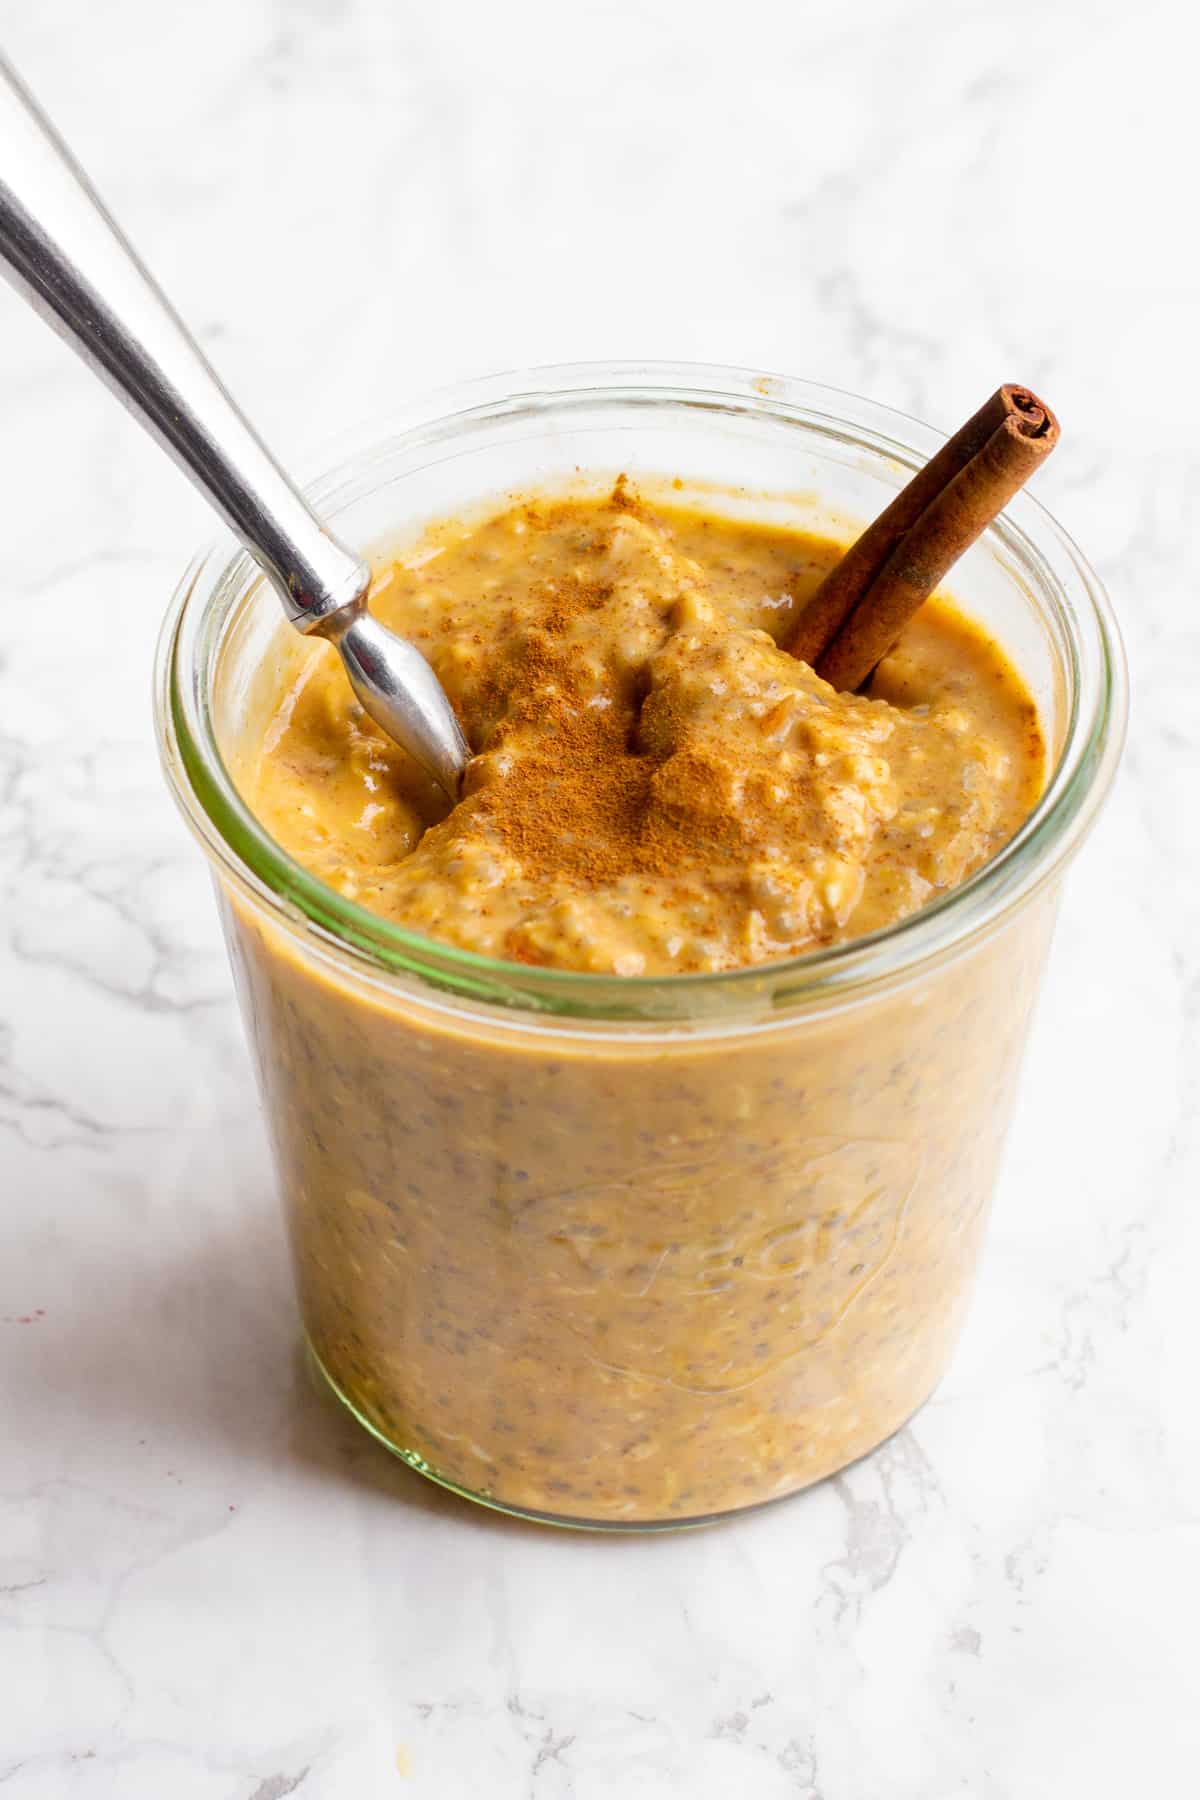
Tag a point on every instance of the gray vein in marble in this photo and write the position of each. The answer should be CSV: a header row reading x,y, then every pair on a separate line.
x,y
278,1787
879,1529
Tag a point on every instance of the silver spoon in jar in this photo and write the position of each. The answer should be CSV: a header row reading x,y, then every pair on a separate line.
x,y
68,258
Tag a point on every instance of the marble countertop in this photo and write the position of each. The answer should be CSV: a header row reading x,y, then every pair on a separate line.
x,y
212,1587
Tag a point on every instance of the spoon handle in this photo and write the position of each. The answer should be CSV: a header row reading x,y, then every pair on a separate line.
x,y
68,258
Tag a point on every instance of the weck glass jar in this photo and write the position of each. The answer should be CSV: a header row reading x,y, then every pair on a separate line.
x,y
638,1252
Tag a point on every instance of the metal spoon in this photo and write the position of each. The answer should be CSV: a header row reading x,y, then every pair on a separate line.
x,y
68,258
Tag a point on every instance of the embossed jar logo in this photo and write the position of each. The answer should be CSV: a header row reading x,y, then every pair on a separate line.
x,y
709,1274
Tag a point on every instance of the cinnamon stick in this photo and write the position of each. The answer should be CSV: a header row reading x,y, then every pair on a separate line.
x,y
864,603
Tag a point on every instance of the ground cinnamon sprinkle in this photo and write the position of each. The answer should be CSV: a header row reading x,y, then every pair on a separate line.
x,y
577,800
581,801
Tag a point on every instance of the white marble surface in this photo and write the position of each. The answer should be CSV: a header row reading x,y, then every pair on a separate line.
x,y
213,1588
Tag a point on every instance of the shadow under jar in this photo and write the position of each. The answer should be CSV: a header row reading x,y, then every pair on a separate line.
x,y
636,1253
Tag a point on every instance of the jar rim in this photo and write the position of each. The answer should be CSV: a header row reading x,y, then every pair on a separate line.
x,y
208,797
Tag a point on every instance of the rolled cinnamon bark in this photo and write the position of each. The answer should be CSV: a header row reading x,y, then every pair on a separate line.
x,y
863,604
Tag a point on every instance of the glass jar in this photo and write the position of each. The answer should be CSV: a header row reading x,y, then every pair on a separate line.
x,y
637,1253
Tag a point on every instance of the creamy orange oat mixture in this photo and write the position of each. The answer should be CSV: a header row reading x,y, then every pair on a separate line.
x,y
657,786
652,1276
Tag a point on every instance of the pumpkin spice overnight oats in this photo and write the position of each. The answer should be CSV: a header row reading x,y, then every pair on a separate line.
x,y
637,1117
